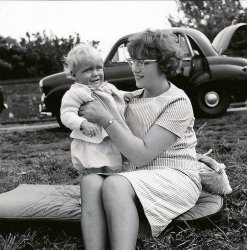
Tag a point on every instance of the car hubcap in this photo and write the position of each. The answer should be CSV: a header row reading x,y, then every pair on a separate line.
x,y
212,99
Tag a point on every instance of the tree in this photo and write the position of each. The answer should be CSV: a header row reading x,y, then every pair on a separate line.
x,y
44,55
10,51
36,55
208,16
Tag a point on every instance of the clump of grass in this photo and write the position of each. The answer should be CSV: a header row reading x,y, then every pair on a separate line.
x,y
40,238
17,241
22,104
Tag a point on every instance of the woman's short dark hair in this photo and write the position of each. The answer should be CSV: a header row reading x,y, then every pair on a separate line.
x,y
157,44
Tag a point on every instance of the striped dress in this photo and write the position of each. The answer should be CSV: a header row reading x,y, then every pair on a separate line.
x,y
169,185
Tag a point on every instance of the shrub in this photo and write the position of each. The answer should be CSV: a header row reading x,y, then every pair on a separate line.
x,y
36,55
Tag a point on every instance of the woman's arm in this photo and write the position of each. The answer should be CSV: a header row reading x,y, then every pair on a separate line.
x,y
138,151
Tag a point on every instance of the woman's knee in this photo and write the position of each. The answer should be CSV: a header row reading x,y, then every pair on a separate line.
x,y
115,187
91,183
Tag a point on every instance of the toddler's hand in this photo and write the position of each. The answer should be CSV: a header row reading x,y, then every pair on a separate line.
x,y
89,129
128,96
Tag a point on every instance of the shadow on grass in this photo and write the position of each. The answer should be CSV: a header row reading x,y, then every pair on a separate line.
x,y
51,227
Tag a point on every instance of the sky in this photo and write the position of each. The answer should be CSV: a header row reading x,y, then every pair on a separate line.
x,y
105,21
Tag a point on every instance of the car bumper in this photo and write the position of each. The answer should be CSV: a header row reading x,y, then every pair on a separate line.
x,y
43,112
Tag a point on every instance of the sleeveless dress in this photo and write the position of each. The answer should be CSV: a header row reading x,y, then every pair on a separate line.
x,y
170,184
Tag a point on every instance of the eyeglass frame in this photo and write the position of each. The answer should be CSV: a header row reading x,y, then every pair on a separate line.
x,y
132,62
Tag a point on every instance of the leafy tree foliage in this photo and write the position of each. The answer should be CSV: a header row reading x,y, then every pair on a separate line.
x,y
208,16
36,55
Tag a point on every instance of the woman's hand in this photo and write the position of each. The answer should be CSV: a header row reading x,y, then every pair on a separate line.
x,y
95,112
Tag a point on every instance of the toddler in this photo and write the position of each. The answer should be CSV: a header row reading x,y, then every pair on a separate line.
x,y
91,148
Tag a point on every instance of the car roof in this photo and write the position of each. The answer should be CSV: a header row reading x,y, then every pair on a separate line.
x,y
222,40
200,39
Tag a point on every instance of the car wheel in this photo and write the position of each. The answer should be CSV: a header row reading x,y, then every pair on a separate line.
x,y
210,100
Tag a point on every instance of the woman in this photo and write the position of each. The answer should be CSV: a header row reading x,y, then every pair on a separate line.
x,y
161,180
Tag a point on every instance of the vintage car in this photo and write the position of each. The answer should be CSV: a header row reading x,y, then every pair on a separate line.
x,y
212,81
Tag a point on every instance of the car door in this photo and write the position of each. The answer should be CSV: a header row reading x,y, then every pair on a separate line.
x,y
194,66
199,72
181,79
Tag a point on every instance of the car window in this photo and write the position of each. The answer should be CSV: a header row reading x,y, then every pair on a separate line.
x,y
184,46
121,54
194,46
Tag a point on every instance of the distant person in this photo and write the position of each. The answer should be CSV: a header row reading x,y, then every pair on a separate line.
x,y
161,179
2,105
91,150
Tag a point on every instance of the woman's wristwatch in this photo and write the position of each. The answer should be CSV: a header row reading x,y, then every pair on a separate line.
x,y
109,123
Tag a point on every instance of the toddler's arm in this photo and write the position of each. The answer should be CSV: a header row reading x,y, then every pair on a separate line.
x,y
89,129
69,110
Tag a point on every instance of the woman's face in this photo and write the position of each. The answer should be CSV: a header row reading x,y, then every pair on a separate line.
x,y
147,75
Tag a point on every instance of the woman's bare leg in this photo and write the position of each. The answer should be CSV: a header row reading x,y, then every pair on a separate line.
x,y
93,221
122,217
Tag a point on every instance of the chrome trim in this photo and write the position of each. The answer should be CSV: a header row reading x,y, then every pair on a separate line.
x,y
244,68
212,99
42,98
42,111
41,85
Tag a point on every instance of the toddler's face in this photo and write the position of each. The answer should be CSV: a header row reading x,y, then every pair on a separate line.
x,y
90,71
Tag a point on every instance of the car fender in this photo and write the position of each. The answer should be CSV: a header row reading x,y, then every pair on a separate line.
x,y
54,98
53,82
196,81
199,79
228,70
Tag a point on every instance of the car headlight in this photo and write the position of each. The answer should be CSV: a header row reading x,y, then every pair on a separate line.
x,y
42,98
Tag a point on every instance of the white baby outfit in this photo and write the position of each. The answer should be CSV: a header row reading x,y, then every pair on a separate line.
x,y
97,151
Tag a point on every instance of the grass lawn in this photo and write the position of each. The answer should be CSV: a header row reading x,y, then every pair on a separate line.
x,y
23,99
43,157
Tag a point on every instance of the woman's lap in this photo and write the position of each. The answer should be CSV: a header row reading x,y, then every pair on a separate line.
x,y
113,185
163,194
